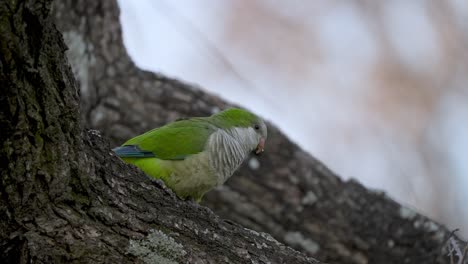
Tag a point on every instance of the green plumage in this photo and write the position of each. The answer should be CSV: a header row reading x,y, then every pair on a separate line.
x,y
234,117
177,140
177,152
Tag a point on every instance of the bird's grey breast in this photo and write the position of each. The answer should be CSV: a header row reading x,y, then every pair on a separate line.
x,y
226,152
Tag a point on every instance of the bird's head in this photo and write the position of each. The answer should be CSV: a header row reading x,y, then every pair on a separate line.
x,y
246,125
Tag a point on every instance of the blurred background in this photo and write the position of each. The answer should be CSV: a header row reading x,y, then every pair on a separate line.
x,y
377,90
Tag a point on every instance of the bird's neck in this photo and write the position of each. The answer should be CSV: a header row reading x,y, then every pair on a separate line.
x,y
228,149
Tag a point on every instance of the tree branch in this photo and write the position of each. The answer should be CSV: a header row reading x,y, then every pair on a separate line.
x,y
286,192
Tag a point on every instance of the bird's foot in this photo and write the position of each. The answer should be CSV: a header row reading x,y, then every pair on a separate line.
x,y
193,200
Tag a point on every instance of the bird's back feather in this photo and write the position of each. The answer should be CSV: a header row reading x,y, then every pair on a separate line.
x,y
175,141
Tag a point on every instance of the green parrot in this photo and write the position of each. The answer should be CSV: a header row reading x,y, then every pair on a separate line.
x,y
194,155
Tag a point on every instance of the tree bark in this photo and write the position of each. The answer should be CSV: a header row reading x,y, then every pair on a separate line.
x,y
286,192
65,197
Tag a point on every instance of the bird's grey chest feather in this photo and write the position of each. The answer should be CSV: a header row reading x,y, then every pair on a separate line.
x,y
227,151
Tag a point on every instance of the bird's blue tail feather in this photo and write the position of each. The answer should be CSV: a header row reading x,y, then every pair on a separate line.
x,y
132,151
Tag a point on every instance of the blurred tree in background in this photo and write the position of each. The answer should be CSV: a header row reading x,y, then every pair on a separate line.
x,y
382,84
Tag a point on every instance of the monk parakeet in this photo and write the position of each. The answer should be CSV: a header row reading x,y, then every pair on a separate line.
x,y
194,155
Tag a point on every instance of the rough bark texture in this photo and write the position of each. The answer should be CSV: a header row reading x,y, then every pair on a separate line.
x,y
286,192
65,197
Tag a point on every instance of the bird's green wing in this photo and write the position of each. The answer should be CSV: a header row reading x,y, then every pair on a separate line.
x,y
175,141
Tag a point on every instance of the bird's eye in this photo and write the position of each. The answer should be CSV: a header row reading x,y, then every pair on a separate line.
x,y
257,127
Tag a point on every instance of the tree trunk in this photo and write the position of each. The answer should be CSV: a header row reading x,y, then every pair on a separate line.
x,y
286,192
65,197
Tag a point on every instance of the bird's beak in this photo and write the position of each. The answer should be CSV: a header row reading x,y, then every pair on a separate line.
x,y
260,146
